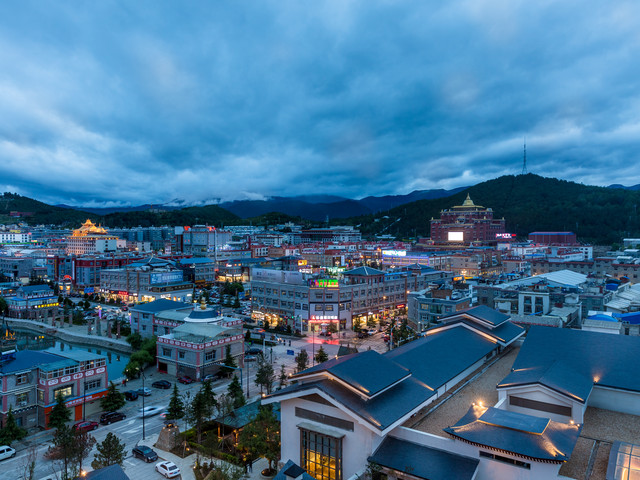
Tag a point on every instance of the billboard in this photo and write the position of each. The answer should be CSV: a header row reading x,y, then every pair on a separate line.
x,y
456,236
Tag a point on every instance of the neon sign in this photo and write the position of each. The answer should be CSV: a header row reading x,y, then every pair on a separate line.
x,y
326,283
505,235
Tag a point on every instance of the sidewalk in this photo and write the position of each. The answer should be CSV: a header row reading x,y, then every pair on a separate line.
x,y
184,464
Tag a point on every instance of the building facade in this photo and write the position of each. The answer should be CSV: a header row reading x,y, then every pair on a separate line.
x,y
467,223
90,239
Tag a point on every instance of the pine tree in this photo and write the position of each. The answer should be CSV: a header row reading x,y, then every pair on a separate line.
x,y
229,362
114,399
302,361
265,376
11,430
234,390
60,414
262,436
283,379
110,452
321,356
175,411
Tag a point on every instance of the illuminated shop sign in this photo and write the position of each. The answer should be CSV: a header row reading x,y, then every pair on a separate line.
x,y
326,283
505,235
394,253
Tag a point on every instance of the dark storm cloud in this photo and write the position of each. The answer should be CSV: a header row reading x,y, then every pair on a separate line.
x,y
153,101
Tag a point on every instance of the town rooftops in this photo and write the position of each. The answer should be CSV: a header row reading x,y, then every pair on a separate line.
x,y
481,312
160,305
364,271
27,289
436,359
525,435
381,412
368,372
28,359
422,461
607,360
557,376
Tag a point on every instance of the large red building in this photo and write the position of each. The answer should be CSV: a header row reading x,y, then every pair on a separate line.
x,y
465,224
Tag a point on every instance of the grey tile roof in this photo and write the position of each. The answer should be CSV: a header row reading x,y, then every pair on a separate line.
x,y
112,472
609,360
290,469
423,462
557,376
505,333
364,271
245,414
381,411
369,372
159,306
435,359
482,312
517,433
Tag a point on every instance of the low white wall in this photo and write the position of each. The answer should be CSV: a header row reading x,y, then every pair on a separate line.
x,y
616,400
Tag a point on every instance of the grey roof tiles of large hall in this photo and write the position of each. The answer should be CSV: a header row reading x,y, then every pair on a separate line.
x,y
368,372
608,360
422,461
526,435
436,359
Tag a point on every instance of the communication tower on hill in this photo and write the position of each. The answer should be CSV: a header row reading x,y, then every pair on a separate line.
x,y
524,159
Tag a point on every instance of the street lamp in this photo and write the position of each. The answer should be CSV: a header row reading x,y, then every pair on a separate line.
x,y
143,411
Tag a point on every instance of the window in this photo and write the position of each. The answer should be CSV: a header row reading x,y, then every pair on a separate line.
x,y
22,399
40,396
22,378
166,352
64,391
93,384
181,353
321,455
317,307
328,308
209,356
500,458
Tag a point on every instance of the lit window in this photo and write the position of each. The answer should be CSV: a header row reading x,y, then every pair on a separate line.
x,y
321,455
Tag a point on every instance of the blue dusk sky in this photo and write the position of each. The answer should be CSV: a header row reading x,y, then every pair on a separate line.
x,y
130,102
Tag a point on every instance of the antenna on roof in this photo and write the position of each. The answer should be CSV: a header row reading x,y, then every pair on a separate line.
x,y
524,158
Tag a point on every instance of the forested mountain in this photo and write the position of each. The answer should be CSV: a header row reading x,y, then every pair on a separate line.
x,y
528,203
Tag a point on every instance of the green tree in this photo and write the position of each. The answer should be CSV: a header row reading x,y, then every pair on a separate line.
x,y
261,437
149,345
142,357
110,452
200,409
234,390
114,399
11,430
71,448
135,340
357,324
265,375
283,379
321,356
60,414
229,363
4,307
175,411
302,361
132,370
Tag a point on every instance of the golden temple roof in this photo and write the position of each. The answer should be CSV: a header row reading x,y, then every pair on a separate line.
x,y
89,228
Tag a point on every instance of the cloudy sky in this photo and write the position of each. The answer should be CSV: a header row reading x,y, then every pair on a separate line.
x,y
148,101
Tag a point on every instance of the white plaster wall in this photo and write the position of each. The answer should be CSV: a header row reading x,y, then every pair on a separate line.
x,y
357,446
542,394
616,400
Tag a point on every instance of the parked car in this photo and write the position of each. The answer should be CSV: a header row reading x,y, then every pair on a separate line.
x,y
250,358
185,379
161,384
145,392
253,351
150,411
107,418
212,377
7,452
131,395
168,469
85,426
145,453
